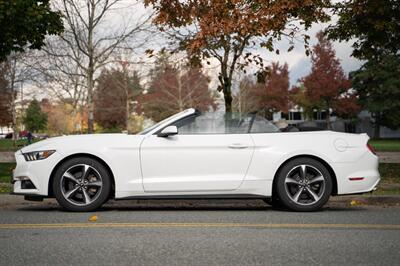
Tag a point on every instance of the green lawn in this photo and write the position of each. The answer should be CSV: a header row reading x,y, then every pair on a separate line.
x,y
385,144
8,144
390,172
5,172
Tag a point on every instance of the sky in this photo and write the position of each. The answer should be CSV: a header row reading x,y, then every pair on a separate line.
x,y
300,64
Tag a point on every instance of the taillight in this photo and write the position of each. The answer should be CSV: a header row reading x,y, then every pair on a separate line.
x,y
371,148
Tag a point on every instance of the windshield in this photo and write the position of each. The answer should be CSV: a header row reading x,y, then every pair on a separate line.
x,y
221,123
218,123
147,130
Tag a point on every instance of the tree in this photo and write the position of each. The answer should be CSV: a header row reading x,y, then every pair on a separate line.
x,y
115,93
273,93
60,117
298,96
89,40
327,84
16,72
58,74
269,94
377,84
226,30
374,23
173,89
35,119
6,114
244,101
25,23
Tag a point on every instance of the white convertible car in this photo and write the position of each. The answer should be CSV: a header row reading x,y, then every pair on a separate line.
x,y
195,155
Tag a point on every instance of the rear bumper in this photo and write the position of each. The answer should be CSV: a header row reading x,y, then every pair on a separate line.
x,y
358,177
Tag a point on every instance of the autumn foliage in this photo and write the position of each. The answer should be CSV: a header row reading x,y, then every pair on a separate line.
x,y
226,29
273,94
267,95
63,118
173,89
115,91
327,86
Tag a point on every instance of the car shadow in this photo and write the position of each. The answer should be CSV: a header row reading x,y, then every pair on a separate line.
x,y
186,205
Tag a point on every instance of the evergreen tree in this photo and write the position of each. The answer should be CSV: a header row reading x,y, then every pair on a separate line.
x,y
35,119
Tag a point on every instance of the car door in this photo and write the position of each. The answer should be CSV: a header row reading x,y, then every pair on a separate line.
x,y
203,156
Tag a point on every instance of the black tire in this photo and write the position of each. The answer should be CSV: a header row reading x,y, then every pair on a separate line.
x,y
273,201
296,193
268,201
95,171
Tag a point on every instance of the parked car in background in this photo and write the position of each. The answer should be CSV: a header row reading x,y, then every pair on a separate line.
x,y
198,155
41,136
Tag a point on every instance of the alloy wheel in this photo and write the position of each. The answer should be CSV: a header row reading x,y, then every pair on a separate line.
x,y
305,184
81,184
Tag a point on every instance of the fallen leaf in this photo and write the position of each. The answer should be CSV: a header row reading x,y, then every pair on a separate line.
x,y
93,218
355,203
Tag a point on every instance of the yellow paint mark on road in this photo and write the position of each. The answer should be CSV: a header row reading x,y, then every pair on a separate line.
x,y
202,225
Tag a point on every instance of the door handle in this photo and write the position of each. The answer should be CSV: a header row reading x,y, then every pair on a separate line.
x,y
237,146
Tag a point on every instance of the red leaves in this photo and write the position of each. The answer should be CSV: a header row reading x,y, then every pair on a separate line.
x,y
220,18
173,90
274,93
327,84
270,95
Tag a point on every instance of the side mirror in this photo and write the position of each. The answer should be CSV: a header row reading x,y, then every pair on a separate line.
x,y
168,131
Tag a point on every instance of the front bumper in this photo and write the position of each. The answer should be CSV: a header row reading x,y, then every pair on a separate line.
x,y
37,172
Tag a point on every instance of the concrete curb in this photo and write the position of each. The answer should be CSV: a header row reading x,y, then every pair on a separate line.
x,y
389,157
378,200
7,157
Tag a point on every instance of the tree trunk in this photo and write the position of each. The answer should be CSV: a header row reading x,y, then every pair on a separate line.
x,y
90,69
14,119
228,101
127,114
13,100
127,117
328,121
328,117
227,90
90,102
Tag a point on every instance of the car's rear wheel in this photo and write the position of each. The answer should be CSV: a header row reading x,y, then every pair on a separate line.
x,y
81,184
304,184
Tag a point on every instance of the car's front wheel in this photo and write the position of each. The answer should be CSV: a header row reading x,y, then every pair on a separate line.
x,y
304,184
81,184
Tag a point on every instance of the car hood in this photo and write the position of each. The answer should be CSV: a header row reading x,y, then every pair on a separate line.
x,y
98,141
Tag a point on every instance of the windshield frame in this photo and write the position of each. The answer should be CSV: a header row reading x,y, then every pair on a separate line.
x,y
157,126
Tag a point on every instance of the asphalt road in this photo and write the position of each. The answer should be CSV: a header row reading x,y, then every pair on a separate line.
x,y
199,233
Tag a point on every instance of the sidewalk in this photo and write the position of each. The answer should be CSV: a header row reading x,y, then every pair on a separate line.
x,y
7,157
389,157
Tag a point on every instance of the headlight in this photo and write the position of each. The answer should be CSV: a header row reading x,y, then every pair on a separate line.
x,y
37,155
